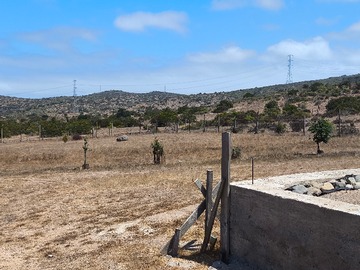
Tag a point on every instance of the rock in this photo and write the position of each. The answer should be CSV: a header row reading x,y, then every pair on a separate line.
x,y
349,186
351,180
340,184
357,178
301,189
327,186
314,191
317,185
122,138
357,186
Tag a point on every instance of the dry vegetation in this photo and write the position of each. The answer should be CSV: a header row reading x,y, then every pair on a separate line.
x,y
118,214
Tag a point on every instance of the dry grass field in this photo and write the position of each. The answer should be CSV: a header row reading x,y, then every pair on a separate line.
x,y
120,212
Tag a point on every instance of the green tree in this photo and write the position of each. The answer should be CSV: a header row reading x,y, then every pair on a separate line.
x,y
321,130
348,104
223,106
271,111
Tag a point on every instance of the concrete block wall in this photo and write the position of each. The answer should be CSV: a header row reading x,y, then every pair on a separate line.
x,y
272,228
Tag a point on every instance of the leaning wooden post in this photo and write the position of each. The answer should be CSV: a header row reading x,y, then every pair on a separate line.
x,y
225,207
209,202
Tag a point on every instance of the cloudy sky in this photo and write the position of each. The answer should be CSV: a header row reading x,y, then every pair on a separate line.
x,y
173,45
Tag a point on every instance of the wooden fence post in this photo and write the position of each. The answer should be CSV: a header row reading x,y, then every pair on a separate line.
x,y
2,135
225,207
209,202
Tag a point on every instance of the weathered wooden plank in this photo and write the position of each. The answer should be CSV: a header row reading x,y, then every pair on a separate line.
x,y
212,216
191,219
208,198
187,224
174,246
225,210
200,186
198,183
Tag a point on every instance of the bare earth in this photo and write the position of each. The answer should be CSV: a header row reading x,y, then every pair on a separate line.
x,y
120,213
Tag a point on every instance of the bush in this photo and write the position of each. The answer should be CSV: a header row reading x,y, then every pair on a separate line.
x,y
280,128
158,151
236,153
65,138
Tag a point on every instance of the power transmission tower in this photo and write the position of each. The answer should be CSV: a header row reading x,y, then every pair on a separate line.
x,y
74,98
289,75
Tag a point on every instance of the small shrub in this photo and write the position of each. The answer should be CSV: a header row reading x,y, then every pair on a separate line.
x,y
280,128
236,153
65,138
158,150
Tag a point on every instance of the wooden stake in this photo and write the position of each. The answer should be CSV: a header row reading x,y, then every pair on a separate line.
x,y
225,207
209,205
212,216
175,244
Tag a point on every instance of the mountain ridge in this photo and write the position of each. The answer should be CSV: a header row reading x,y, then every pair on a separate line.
x,y
109,101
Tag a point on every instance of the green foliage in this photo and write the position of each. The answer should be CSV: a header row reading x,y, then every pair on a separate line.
x,y
65,138
317,87
293,112
236,153
223,106
161,118
158,150
271,111
123,113
79,127
349,104
248,95
321,130
280,128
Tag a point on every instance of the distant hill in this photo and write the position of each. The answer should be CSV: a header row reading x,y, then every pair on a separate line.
x,y
109,102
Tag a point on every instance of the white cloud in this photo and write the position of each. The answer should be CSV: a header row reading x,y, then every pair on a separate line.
x,y
228,4
59,38
352,32
316,48
355,28
270,4
231,54
325,21
139,21
233,4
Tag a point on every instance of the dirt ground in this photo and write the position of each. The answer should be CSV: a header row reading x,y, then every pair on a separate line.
x,y
120,212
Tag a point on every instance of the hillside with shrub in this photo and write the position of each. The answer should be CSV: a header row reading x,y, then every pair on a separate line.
x,y
277,108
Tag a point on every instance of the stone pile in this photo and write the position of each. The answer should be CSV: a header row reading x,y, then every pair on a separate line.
x,y
318,188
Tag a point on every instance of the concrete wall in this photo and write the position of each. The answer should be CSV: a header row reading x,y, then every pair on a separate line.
x,y
277,229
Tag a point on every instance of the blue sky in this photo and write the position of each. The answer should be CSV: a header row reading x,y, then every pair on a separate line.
x,y
175,45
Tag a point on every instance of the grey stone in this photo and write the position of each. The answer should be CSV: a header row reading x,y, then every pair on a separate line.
x,y
339,184
351,180
122,138
301,189
357,178
314,191
357,186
